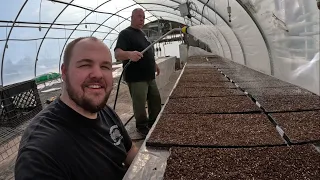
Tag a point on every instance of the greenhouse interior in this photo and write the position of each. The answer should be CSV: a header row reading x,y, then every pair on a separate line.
x,y
239,83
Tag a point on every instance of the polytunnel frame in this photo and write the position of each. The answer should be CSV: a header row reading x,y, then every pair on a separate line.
x,y
241,46
141,4
254,21
45,35
179,22
129,17
110,39
205,4
157,18
201,14
87,15
6,43
238,39
124,19
266,42
44,23
190,19
91,11
67,5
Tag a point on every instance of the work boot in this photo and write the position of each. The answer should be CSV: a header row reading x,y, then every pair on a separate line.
x,y
143,131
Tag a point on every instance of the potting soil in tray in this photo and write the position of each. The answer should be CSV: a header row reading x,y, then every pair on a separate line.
x,y
216,84
300,126
264,84
294,162
204,92
216,130
230,104
202,78
279,91
288,103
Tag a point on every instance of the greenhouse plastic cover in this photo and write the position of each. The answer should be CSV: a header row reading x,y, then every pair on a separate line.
x,y
276,37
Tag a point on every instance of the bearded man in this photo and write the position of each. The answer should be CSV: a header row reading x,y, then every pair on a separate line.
x,y
78,136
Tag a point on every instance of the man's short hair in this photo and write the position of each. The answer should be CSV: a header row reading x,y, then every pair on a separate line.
x,y
135,10
70,47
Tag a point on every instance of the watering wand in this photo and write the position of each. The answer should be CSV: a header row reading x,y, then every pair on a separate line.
x,y
183,30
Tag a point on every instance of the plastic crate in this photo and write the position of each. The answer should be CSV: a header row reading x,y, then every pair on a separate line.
x,y
19,103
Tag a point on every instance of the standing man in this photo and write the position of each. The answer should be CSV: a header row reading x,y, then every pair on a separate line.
x,y
140,74
77,136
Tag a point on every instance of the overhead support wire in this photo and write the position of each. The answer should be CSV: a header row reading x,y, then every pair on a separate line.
x,y
48,23
57,28
36,39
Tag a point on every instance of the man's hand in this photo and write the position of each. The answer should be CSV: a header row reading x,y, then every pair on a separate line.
x,y
157,69
135,56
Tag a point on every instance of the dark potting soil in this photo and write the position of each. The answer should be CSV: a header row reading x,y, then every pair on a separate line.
x,y
220,130
231,104
294,162
300,126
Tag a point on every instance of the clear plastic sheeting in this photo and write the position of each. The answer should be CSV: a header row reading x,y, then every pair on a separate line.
x,y
276,37
292,29
307,74
254,47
